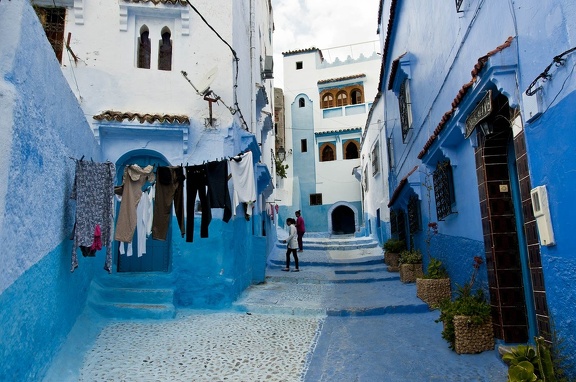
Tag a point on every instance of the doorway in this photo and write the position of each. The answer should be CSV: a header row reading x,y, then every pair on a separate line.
x,y
507,223
157,256
343,221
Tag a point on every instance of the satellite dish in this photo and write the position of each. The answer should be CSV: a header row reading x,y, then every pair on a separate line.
x,y
204,84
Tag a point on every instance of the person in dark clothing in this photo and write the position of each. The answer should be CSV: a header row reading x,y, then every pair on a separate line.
x,y
300,230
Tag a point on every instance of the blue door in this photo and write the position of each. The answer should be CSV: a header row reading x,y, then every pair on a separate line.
x,y
157,256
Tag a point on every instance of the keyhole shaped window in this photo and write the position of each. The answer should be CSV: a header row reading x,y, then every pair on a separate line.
x,y
165,51
144,48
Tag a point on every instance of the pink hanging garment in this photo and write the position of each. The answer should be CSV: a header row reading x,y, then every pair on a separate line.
x,y
97,244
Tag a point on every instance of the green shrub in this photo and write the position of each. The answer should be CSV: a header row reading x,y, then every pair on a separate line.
x,y
466,303
394,246
436,270
412,256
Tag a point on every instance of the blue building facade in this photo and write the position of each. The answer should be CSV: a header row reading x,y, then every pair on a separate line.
x,y
479,116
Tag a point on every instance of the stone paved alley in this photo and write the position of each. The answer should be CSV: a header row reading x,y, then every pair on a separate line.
x,y
344,317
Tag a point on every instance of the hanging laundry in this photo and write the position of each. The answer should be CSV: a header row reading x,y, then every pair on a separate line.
x,y
197,183
133,179
242,170
143,217
93,191
169,190
218,192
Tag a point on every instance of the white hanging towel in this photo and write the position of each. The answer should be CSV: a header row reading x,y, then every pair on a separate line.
x,y
244,184
142,222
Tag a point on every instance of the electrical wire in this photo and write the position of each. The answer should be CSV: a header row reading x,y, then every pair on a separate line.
x,y
236,59
545,75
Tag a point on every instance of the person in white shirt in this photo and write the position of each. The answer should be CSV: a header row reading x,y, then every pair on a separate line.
x,y
292,245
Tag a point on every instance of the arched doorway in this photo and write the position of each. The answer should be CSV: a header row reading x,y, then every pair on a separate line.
x,y
157,257
343,220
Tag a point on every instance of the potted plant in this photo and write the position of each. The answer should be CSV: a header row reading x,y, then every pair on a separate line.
x,y
392,249
530,363
434,286
467,319
410,265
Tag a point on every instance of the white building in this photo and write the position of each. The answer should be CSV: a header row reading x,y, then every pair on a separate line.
x,y
327,104
168,82
375,166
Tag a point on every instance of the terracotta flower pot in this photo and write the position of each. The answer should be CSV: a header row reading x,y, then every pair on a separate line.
x,y
410,272
432,291
472,338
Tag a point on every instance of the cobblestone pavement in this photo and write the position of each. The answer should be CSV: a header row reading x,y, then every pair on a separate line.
x,y
343,318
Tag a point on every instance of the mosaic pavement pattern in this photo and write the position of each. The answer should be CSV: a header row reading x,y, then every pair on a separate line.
x,y
204,347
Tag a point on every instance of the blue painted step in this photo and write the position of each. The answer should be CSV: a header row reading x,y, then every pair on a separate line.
x,y
133,296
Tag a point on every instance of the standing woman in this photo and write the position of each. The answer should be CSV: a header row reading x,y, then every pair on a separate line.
x,y
300,229
292,246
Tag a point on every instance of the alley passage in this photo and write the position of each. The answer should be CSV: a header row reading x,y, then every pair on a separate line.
x,y
344,317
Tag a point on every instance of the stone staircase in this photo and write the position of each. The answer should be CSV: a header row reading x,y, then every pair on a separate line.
x,y
324,241
338,277
133,296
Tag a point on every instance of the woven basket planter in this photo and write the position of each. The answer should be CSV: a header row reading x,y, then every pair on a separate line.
x,y
410,272
472,338
391,259
432,291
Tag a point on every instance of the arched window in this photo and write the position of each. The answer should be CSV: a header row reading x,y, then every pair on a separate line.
x,y
327,101
356,96
342,99
144,48
301,102
165,51
327,152
351,150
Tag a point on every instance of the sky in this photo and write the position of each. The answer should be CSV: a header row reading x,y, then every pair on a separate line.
x,y
339,24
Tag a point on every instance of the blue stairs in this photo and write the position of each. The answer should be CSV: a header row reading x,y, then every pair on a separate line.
x,y
133,296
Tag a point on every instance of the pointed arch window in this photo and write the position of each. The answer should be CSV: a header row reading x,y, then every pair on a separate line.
x,y
165,51
144,48
342,99
327,101
327,152
351,149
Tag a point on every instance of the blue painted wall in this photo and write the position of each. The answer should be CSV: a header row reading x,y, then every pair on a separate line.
x,y
443,48
304,169
42,126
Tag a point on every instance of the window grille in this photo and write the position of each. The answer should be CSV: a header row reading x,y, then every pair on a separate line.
x,y
144,50
393,223
414,217
405,108
390,147
443,189
315,199
401,219
376,159
52,20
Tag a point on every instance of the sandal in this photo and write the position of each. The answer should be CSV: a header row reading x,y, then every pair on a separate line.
x,y
286,269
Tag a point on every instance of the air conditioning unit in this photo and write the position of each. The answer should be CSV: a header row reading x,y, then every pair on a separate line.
x,y
268,71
